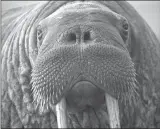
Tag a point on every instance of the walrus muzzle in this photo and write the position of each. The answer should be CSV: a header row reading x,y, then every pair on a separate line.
x,y
80,72
108,68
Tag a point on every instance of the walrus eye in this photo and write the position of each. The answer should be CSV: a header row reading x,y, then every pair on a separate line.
x,y
124,29
125,26
39,35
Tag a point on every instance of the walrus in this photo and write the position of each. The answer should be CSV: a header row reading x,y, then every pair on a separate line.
x,y
79,64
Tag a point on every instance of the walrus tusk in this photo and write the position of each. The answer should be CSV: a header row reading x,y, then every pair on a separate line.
x,y
61,111
113,111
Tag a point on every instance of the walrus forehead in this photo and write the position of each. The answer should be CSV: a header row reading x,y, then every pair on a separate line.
x,y
78,7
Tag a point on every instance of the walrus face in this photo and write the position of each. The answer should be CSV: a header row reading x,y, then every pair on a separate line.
x,y
83,61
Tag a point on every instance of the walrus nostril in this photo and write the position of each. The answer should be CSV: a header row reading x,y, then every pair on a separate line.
x,y
87,36
71,37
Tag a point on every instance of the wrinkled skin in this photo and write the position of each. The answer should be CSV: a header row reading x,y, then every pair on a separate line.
x,y
53,52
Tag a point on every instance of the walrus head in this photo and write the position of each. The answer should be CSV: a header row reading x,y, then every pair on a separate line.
x,y
83,64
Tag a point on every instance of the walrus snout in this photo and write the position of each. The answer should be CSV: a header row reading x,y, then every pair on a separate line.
x,y
84,94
